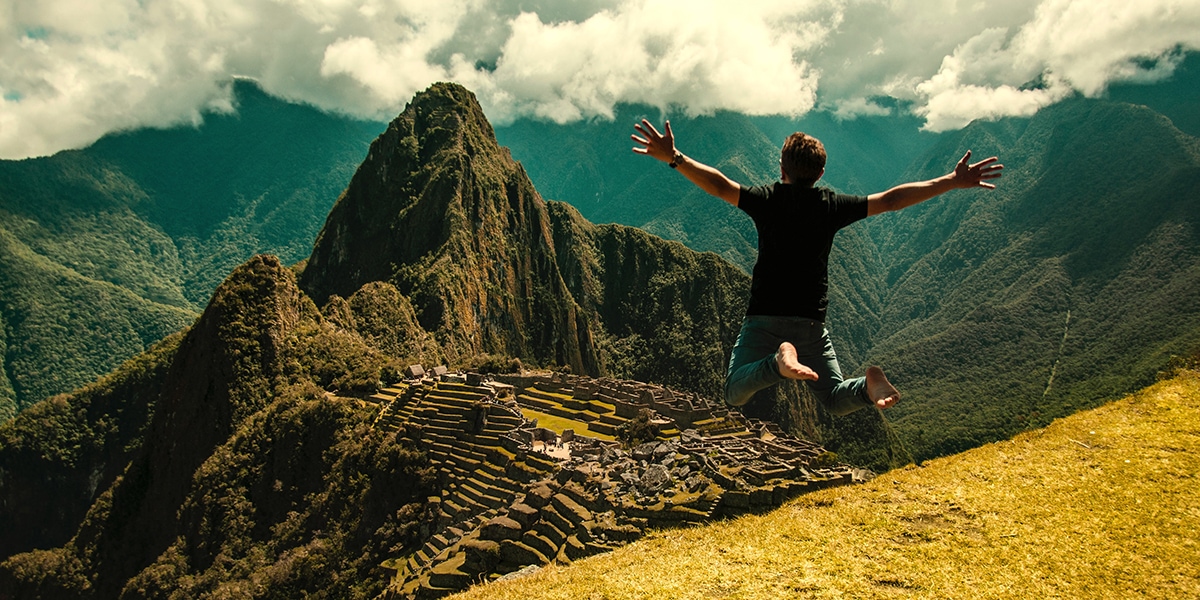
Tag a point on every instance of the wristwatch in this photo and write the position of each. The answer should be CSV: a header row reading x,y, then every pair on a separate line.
x,y
676,160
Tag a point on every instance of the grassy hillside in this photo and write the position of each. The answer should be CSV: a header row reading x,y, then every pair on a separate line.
x,y
60,328
1102,504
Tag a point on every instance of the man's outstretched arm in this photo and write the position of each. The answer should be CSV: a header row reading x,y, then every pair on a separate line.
x,y
662,147
964,176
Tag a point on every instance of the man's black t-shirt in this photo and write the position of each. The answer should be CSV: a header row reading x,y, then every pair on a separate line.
x,y
796,226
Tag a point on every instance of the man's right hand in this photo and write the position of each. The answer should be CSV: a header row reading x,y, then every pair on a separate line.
x,y
655,144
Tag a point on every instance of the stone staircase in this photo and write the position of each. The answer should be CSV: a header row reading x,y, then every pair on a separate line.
x,y
462,427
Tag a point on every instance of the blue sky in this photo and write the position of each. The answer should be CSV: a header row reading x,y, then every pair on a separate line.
x,y
73,70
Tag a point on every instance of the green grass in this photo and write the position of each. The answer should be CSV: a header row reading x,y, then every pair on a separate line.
x,y
1102,504
560,424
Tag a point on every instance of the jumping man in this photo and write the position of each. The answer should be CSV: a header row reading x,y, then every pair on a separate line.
x,y
783,335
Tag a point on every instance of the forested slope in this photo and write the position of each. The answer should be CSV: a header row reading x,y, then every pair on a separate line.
x,y
106,250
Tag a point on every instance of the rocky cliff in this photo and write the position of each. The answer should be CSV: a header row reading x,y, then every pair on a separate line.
x,y
444,214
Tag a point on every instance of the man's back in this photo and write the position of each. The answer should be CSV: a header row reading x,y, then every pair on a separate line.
x,y
796,225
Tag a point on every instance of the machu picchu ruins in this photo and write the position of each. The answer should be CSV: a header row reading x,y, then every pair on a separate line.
x,y
532,470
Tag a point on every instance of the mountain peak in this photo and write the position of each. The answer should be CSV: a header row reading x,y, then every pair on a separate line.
x,y
439,210
449,106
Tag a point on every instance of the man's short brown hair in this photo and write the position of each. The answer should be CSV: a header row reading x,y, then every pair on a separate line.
x,y
803,158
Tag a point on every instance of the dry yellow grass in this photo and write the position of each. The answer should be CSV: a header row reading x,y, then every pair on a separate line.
x,y
1104,504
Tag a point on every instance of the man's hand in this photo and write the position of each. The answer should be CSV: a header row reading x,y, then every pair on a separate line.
x,y
662,146
968,176
655,144
964,176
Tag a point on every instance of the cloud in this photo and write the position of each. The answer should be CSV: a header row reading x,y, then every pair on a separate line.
x,y
852,108
717,56
73,71
1069,46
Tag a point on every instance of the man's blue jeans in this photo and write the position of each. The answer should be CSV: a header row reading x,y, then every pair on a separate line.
x,y
752,363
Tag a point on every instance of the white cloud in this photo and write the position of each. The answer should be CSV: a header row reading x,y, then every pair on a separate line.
x,y
852,108
74,70
712,56
1070,45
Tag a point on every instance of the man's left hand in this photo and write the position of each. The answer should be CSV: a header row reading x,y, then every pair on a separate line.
x,y
968,176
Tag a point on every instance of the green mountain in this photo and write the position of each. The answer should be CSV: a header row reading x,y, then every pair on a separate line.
x,y
92,245
445,215
593,169
1177,98
199,459
107,250
232,458
229,458
1074,282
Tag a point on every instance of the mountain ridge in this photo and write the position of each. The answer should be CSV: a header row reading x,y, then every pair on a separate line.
x,y
254,181
459,199
1047,262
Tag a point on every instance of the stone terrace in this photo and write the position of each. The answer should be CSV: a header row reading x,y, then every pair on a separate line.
x,y
506,505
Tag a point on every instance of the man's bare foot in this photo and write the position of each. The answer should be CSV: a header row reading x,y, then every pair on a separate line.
x,y
882,393
789,366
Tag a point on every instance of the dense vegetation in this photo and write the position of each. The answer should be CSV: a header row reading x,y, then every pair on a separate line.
x,y
60,329
70,448
106,250
219,463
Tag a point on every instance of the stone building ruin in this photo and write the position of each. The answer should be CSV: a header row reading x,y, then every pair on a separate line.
x,y
531,471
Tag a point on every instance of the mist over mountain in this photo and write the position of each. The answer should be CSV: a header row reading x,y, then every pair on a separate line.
x,y
1177,98
109,249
